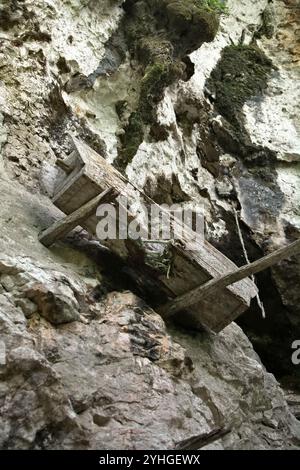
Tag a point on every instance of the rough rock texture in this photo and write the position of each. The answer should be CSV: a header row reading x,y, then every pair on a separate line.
x,y
115,377
242,153
99,369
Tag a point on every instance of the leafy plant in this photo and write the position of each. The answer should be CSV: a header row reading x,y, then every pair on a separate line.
x,y
216,5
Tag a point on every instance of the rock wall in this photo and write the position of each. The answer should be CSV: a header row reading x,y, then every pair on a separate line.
x,y
89,362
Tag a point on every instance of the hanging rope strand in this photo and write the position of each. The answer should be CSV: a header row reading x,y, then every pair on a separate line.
x,y
259,301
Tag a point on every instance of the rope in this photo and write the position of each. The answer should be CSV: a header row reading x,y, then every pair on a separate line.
x,y
259,301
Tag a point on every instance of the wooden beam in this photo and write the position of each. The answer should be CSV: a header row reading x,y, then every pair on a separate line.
x,y
201,292
62,227
197,442
69,163
92,175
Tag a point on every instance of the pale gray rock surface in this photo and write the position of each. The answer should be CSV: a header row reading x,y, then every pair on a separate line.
x,y
117,378
86,371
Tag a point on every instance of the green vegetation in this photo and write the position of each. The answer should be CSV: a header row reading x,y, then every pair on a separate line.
x,y
132,138
242,72
157,77
267,28
216,5
159,35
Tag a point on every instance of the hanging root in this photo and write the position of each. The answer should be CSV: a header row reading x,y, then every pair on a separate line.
x,y
259,301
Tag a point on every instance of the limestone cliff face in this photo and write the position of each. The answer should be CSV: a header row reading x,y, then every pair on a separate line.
x,y
194,108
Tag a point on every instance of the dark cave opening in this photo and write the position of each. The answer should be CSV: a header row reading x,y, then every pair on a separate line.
x,y
272,337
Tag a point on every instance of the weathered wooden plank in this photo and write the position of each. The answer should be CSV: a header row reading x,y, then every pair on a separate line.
x,y
191,269
214,285
62,227
186,269
69,163
197,442
99,172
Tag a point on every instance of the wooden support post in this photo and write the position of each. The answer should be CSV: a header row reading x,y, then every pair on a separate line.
x,y
201,292
60,228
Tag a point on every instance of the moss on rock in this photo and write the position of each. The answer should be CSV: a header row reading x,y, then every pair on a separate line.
x,y
132,138
267,28
160,34
242,73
